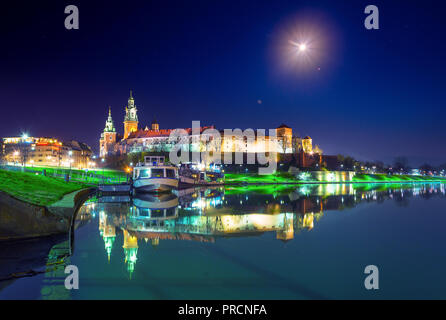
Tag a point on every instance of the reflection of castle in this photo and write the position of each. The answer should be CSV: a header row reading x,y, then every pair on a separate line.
x,y
130,250
107,230
204,218
207,215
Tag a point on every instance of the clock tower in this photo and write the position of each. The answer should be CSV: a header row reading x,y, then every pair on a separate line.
x,y
131,117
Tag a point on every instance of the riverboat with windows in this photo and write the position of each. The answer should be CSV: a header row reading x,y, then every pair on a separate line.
x,y
154,175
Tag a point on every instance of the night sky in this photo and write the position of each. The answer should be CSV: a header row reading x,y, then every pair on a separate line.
x,y
373,94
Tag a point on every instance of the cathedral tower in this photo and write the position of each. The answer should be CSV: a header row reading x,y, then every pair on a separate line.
x,y
155,125
131,118
108,137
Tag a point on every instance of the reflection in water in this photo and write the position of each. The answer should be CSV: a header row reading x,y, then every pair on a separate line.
x,y
208,214
128,226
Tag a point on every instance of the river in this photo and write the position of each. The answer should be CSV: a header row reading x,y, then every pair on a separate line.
x,y
264,242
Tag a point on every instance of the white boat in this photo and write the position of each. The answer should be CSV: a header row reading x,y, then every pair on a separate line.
x,y
154,175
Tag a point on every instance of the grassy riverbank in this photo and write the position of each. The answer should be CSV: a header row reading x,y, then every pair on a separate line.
x,y
284,177
279,177
392,178
93,176
36,189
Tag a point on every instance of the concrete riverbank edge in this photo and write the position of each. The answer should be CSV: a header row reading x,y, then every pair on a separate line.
x,y
21,220
324,182
223,184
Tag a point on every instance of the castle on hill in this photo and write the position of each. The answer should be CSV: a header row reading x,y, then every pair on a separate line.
x,y
136,139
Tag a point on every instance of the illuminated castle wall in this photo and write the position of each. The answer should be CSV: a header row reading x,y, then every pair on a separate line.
x,y
153,138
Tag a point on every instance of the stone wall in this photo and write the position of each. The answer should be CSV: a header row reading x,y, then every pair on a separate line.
x,y
21,220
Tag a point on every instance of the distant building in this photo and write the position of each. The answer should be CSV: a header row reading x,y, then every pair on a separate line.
x,y
2,151
79,154
32,151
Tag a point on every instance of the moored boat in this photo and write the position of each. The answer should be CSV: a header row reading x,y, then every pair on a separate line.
x,y
154,175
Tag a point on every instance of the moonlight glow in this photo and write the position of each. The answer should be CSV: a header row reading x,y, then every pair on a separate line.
x,y
303,44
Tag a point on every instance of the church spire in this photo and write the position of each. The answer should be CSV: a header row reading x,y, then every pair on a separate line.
x,y
131,110
109,125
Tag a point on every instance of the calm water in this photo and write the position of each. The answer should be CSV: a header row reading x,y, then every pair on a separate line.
x,y
245,243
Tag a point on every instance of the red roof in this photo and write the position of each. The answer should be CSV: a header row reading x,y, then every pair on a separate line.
x,y
160,133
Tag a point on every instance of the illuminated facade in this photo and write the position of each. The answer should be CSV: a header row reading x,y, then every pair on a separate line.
x,y
285,138
157,139
152,138
147,139
32,151
307,145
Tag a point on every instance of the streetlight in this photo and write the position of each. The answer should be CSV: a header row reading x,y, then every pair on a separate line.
x,y
70,153
103,160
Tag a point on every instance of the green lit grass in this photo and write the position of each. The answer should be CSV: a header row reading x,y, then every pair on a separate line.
x,y
260,189
284,177
93,176
36,189
393,178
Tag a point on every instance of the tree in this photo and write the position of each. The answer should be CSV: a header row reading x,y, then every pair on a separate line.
x,y
442,167
427,167
348,162
24,150
380,167
401,164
